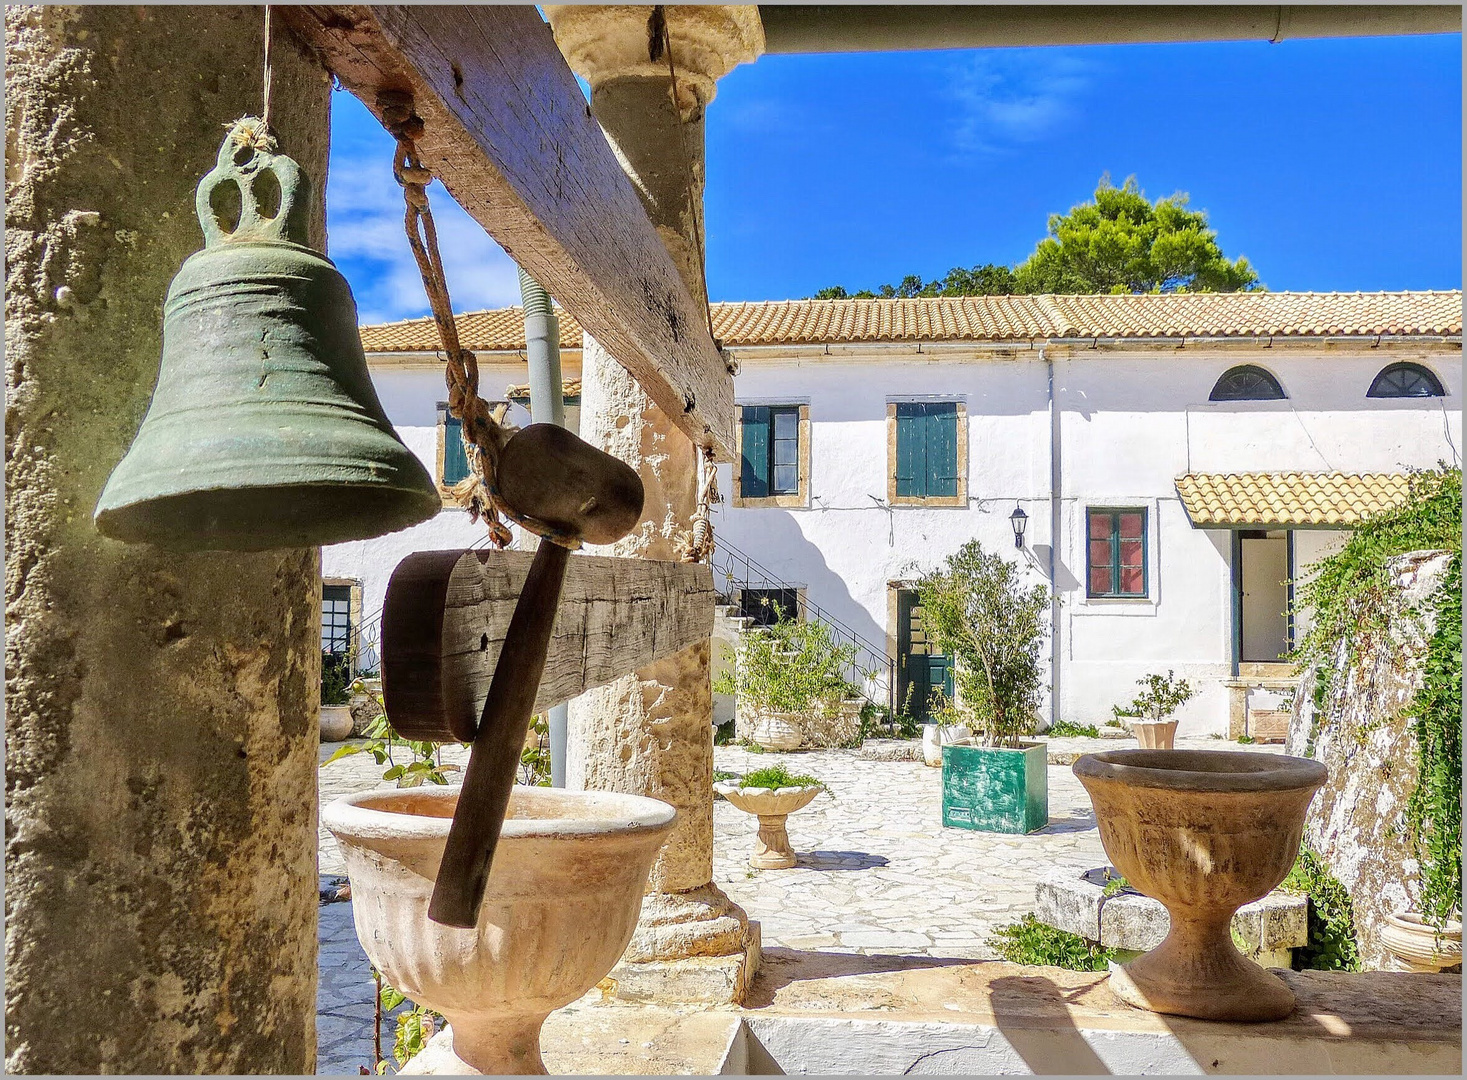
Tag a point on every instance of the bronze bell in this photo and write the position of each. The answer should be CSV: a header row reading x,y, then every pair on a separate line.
x,y
264,430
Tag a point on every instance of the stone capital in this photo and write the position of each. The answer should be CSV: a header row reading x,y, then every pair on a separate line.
x,y
610,41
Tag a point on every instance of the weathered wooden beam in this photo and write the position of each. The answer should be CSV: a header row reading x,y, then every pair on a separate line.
x,y
446,614
509,133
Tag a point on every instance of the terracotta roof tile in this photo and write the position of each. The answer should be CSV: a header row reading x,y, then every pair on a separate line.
x,y
1289,498
998,318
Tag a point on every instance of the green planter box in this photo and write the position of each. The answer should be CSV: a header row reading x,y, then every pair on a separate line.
x,y
995,789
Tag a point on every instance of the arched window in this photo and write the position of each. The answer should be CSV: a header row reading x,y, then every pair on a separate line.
x,y
1247,382
1406,380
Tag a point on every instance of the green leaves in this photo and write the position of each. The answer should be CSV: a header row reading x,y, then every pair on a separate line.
x,y
1331,945
792,667
1160,696
981,614
382,743
1030,941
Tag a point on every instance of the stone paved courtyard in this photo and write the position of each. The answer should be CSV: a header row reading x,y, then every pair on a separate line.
x,y
877,873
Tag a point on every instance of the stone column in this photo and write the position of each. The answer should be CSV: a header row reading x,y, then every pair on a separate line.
x,y
651,732
161,739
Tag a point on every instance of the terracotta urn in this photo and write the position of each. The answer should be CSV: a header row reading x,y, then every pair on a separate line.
x,y
562,901
1204,832
1154,734
771,806
1418,945
777,731
336,722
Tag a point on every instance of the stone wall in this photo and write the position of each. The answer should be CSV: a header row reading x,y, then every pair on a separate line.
x,y
160,739
1356,822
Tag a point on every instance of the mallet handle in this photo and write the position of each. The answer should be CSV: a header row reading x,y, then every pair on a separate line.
x,y
495,756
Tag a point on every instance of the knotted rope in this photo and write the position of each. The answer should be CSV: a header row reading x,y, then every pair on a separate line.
x,y
484,428
699,546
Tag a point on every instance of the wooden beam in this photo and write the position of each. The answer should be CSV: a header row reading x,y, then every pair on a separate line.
x,y
446,614
509,133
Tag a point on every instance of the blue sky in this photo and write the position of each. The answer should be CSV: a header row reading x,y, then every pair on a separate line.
x,y
1333,164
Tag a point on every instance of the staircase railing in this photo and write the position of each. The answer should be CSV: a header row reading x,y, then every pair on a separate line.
x,y
870,670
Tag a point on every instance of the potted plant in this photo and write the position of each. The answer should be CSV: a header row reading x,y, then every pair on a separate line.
x,y
336,682
982,615
1150,711
1418,945
789,679
946,725
771,794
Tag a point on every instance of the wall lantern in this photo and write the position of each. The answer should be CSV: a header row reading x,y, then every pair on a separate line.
x,y
1018,519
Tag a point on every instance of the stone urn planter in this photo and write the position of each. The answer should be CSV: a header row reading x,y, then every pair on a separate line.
x,y
776,731
1154,734
771,806
936,736
1204,832
336,722
562,902
1418,945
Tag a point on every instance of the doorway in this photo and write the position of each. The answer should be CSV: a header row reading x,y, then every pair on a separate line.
x,y
920,668
1263,608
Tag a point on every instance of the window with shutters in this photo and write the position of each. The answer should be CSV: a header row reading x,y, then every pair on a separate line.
x,y
773,456
927,453
1115,559
453,464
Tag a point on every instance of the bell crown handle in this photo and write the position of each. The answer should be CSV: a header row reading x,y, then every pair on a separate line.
x,y
247,161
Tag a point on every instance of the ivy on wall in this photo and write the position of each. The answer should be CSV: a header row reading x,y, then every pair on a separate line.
x,y
1434,813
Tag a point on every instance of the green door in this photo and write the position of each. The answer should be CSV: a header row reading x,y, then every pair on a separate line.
x,y
920,668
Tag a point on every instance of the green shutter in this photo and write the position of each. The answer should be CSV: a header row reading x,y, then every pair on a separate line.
x,y
942,449
455,464
754,468
911,450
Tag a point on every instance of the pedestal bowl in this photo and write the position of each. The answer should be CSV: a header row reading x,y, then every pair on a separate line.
x,y
1204,832
561,904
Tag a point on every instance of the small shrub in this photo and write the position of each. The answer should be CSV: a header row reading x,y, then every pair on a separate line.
x,y
1160,696
335,678
1332,945
1031,942
777,776
1064,729
1246,740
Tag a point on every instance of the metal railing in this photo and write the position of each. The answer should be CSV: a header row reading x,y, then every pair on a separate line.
x,y
870,670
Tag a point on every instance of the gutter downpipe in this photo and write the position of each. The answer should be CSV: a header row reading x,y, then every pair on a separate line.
x,y
547,406
1054,540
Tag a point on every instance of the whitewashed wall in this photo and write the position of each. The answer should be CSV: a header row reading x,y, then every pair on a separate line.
x,y
1130,423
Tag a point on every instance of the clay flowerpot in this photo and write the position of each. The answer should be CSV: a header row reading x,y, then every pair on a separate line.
x,y
336,722
562,901
1204,832
772,806
777,731
936,736
1154,734
1418,945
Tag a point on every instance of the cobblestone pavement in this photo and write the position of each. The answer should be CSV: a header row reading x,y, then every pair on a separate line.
x,y
877,873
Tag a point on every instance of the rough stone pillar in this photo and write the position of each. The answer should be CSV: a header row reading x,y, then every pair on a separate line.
x,y
161,739
652,732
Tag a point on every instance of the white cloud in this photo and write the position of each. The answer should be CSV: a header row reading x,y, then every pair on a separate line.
x,y
1007,98
366,240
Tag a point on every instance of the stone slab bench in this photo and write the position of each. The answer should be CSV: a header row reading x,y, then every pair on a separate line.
x,y
845,1014
1267,930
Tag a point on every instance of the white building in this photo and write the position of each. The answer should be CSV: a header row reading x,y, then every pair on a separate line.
x,y
1178,459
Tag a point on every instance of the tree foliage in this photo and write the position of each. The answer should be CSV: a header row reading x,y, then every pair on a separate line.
x,y
1121,242
1160,696
791,667
981,614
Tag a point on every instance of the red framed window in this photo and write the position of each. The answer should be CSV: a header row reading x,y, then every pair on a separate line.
x,y
1116,553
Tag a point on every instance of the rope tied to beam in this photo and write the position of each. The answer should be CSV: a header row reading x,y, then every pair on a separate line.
x,y
484,428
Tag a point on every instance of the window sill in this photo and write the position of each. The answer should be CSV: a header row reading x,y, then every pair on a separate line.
x,y
935,500
787,502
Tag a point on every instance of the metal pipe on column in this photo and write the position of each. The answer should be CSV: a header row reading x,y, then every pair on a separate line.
x,y
547,406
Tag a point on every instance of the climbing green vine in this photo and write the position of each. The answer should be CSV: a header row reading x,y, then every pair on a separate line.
x,y
1434,812
1348,593
1331,944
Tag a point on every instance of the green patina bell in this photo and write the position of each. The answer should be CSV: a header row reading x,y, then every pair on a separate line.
x,y
264,430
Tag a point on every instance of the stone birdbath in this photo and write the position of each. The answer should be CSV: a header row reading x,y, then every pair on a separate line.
x,y
563,897
771,805
1204,832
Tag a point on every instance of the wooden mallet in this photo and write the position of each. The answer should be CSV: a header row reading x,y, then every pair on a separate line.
x,y
546,473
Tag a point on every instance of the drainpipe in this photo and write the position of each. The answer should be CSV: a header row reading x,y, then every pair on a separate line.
x,y
547,406
1054,541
